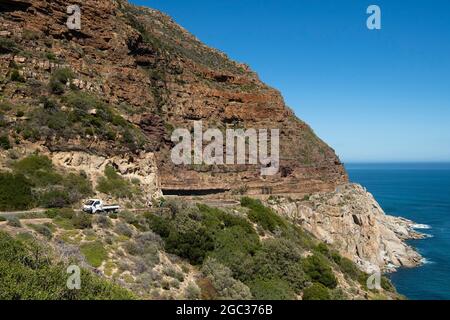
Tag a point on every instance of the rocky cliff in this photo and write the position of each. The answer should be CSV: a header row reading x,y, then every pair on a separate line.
x,y
112,92
147,76
353,222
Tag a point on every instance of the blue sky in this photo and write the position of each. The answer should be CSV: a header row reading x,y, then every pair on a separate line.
x,y
372,95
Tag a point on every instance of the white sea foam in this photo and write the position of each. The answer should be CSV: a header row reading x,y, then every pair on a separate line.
x,y
421,226
426,261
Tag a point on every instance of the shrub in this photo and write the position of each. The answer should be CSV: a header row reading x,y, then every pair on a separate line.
x,y
192,291
2,218
52,213
103,221
113,216
16,76
66,213
262,215
387,285
7,45
25,271
226,286
271,289
316,292
43,229
113,184
82,220
123,229
192,244
133,248
15,192
5,144
54,198
280,258
318,270
59,79
94,252
14,222
38,168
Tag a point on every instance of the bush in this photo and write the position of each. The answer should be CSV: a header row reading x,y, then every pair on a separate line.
x,y
2,218
318,270
192,291
103,221
316,292
95,253
54,198
7,46
14,222
82,220
271,289
115,185
192,244
123,229
262,215
59,79
226,286
5,144
16,76
43,230
15,192
52,213
26,273
280,258
53,190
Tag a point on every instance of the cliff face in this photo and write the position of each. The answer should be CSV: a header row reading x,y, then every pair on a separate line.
x,y
152,76
354,223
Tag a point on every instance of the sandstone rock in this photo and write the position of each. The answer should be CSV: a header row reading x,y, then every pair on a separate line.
x,y
362,231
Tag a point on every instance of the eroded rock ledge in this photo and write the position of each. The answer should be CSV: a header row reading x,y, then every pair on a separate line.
x,y
353,222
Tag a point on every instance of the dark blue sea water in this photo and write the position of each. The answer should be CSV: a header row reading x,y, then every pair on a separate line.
x,y
420,192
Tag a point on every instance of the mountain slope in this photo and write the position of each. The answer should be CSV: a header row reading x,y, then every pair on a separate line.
x,y
145,76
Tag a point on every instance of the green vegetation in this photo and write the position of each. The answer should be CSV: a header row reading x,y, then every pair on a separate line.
x,y
14,222
230,251
114,184
222,279
5,144
85,116
59,79
272,289
69,219
35,182
262,215
16,76
95,253
15,192
43,230
318,270
316,292
25,269
7,45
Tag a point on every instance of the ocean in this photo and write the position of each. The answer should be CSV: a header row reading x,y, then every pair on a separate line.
x,y
419,192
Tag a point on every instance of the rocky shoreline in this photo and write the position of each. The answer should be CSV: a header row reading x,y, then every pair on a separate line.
x,y
352,221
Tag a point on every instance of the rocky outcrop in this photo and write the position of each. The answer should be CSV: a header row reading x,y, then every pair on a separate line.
x,y
352,222
158,77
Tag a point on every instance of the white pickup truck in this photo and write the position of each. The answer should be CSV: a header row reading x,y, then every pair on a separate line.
x,y
97,206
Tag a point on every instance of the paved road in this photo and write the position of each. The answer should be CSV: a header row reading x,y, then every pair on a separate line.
x,y
16,213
